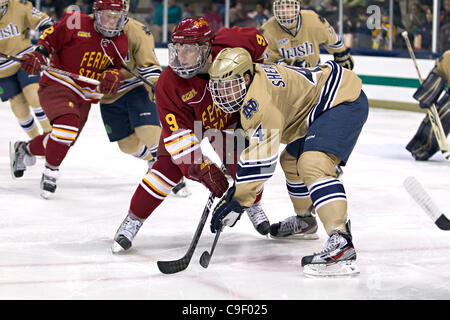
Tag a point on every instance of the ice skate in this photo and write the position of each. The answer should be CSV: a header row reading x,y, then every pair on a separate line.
x,y
181,190
337,257
295,227
150,164
126,233
48,182
20,158
259,219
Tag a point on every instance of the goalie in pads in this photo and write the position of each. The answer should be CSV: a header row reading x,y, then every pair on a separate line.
x,y
432,91
282,104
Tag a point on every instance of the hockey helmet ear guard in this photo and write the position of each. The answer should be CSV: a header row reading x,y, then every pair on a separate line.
x,y
286,11
110,16
190,47
227,83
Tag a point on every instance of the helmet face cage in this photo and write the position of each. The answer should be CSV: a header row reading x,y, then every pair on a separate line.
x,y
110,16
286,12
228,95
190,47
186,60
3,4
227,81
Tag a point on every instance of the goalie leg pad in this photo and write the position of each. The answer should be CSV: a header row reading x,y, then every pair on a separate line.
x,y
424,144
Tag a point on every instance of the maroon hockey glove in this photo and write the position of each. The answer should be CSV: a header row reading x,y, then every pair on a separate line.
x,y
209,174
110,81
32,62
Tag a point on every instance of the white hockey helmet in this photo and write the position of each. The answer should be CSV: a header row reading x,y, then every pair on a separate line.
x,y
286,12
226,74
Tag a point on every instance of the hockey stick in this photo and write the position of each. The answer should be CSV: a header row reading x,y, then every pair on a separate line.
x,y
55,70
10,57
137,75
432,112
206,256
174,266
71,75
418,193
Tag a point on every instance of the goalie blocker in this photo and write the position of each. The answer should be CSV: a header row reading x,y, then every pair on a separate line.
x,y
424,144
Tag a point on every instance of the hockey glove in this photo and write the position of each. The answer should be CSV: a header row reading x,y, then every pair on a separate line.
x,y
32,62
110,81
227,212
210,175
430,90
344,59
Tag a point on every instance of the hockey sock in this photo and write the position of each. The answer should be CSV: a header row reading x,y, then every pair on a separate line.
x,y
152,191
63,135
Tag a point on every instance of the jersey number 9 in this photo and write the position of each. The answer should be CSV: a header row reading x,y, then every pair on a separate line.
x,y
172,122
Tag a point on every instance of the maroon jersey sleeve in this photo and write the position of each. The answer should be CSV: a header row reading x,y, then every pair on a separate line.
x,y
248,38
177,121
55,37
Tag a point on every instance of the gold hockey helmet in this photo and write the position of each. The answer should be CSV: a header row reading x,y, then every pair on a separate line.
x,y
227,83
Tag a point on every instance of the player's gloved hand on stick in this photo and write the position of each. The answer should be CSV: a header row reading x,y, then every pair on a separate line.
x,y
110,81
344,59
210,175
32,62
227,212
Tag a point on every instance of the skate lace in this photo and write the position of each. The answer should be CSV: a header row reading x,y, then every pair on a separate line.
x,y
130,227
289,224
257,214
331,244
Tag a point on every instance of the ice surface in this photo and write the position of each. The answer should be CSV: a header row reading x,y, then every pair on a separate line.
x,y
60,248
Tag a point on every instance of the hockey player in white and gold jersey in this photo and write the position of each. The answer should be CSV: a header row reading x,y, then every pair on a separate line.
x,y
280,104
17,19
130,116
294,37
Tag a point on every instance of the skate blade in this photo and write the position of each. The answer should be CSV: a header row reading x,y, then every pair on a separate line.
x,y
46,194
12,154
116,248
182,193
339,269
301,236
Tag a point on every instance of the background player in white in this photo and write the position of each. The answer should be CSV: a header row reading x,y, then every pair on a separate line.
x,y
17,18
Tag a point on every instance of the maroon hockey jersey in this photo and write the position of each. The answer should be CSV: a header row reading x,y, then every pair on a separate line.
x,y
75,46
185,106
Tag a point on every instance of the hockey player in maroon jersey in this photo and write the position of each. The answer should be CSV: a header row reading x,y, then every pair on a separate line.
x,y
81,45
185,107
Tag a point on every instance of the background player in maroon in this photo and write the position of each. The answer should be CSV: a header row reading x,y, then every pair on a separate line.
x,y
184,104
81,45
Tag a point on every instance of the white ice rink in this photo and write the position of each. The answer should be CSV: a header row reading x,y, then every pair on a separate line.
x,y
60,248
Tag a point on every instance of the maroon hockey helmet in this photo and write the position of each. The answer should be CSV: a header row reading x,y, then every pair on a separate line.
x,y
110,16
190,47
192,30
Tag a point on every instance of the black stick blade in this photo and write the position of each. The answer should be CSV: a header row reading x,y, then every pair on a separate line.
x,y
170,267
443,223
204,259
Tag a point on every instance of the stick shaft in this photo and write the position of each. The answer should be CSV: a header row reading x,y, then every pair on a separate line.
x,y
174,266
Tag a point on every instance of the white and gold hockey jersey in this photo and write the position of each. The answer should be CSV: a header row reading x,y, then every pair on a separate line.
x,y
281,102
15,25
141,59
302,42
443,66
